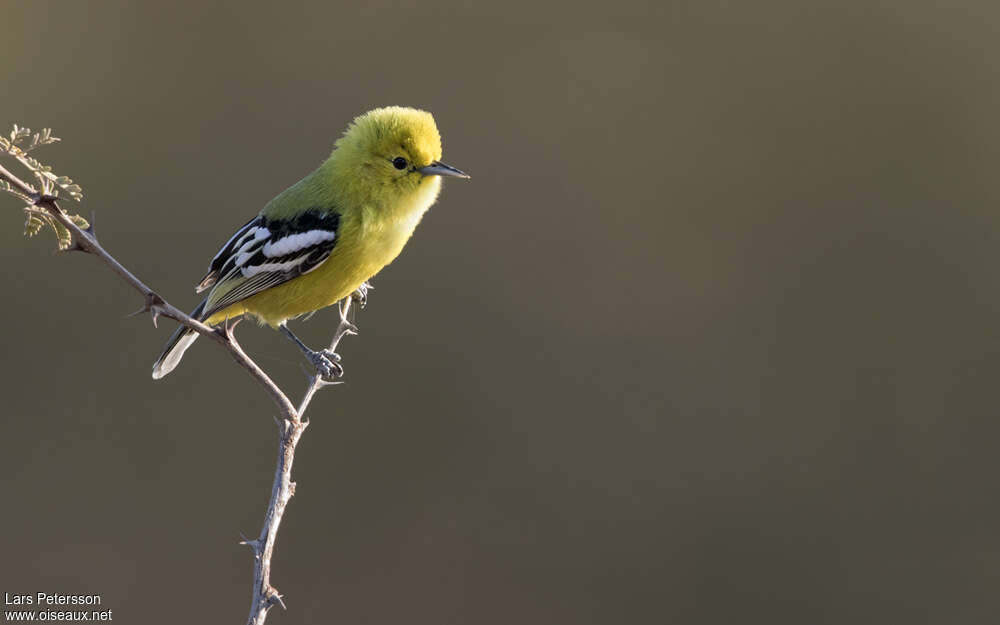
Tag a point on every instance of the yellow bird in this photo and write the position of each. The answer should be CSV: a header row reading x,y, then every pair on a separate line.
x,y
322,238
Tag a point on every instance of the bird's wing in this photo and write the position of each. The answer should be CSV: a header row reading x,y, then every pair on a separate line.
x,y
224,254
267,252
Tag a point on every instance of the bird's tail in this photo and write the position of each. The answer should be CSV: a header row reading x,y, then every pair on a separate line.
x,y
176,346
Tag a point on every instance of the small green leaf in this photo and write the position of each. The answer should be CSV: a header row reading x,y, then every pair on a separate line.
x,y
6,186
74,191
18,134
32,224
31,163
80,221
47,137
63,236
66,184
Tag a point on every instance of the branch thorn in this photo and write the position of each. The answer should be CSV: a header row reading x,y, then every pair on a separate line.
x,y
253,543
154,305
227,327
345,327
90,226
274,597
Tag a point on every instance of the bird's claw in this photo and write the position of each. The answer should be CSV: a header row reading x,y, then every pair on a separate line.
x,y
327,363
360,296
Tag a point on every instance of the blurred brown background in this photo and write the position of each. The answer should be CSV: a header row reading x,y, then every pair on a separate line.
x,y
711,336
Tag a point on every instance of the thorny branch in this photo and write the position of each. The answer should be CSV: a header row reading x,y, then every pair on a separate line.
x,y
289,431
290,421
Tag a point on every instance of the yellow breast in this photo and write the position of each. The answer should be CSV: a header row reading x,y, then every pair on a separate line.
x,y
369,239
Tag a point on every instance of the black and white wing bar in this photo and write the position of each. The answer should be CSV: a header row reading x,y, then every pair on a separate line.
x,y
266,252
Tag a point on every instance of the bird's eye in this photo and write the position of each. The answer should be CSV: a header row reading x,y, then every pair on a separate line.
x,y
399,162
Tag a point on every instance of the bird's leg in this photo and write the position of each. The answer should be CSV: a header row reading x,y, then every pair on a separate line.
x,y
325,361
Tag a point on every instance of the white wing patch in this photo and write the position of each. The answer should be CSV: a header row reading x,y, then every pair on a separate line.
x,y
256,234
253,270
295,242
249,244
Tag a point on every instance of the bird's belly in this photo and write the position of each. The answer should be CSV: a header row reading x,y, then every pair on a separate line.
x,y
339,276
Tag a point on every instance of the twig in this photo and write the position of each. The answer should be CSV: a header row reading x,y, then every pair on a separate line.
x,y
289,431
291,425
153,303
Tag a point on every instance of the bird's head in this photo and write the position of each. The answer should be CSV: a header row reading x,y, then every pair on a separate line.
x,y
393,149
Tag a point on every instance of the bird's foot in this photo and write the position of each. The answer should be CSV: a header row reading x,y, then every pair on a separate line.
x,y
360,296
327,363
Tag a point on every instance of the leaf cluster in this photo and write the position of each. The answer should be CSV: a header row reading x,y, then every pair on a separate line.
x,y
17,145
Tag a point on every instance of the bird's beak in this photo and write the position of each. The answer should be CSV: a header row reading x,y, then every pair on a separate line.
x,y
437,168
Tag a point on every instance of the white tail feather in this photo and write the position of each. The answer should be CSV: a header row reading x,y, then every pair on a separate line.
x,y
173,354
